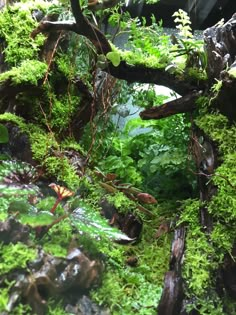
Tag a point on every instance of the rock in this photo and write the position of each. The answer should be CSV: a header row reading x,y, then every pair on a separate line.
x,y
85,306
18,146
11,231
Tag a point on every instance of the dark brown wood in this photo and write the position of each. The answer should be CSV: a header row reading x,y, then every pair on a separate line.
x,y
220,42
180,105
172,295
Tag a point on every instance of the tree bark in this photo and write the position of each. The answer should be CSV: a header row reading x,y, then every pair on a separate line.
x,y
184,104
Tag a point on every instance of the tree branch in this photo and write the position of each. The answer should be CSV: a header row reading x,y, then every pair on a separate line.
x,y
142,74
181,105
130,73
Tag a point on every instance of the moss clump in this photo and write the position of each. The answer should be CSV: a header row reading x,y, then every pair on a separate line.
x,y
17,23
14,119
15,256
30,71
122,203
63,110
200,262
219,130
44,147
59,239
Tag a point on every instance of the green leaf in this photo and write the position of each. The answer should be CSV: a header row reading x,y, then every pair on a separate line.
x,y
87,220
4,136
37,219
19,206
114,57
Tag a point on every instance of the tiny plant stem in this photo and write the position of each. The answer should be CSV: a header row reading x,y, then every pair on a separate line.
x,y
55,205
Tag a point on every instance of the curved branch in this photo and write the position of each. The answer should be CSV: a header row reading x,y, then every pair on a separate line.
x,y
142,74
181,105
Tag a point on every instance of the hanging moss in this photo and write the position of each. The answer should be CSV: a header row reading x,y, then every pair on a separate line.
x,y
17,23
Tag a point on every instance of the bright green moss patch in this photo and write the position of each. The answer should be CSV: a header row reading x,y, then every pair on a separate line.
x,y
30,71
17,23
14,256
217,127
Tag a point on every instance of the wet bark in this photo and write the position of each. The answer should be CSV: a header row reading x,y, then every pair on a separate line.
x,y
184,104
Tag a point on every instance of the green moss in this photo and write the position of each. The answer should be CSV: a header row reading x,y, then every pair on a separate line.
x,y
122,203
63,110
17,24
217,127
14,119
20,309
58,239
195,73
30,71
62,170
129,290
70,143
15,256
205,252
43,146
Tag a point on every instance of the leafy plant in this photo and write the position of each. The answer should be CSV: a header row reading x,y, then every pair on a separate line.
x,y
183,23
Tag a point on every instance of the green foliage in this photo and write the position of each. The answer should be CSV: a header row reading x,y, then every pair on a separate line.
x,y
190,59
4,136
147,98
77,60
17,24
14,119
147,45
183,23
29,71
15,256
63,110
122,203
114,57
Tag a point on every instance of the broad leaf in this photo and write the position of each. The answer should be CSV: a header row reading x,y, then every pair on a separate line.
x,y
37,218
114,57
88,220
